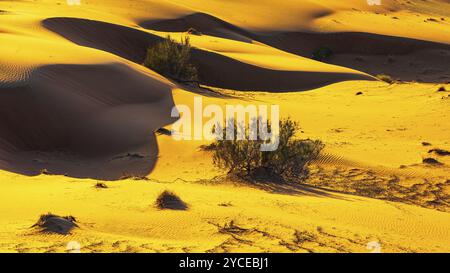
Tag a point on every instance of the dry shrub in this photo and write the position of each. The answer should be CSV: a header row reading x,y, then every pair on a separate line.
x,y
169,200
245,158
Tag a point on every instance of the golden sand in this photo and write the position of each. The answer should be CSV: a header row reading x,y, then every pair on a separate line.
x,y
375,138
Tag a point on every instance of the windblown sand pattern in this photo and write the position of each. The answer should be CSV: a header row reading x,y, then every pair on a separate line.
x,y
79,115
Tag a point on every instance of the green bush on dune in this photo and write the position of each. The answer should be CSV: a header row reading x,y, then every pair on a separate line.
x,y
245,158
172,60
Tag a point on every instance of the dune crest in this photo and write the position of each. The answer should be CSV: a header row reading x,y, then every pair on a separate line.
x,y
132,44
414,55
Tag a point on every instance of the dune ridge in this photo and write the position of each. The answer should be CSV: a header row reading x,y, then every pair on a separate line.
x,y
132,44
365,47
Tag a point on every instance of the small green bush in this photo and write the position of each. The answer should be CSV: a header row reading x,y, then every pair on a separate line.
x,y
321,54
172,60
245,158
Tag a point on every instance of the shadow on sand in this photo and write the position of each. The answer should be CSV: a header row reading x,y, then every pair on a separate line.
x,y
84,121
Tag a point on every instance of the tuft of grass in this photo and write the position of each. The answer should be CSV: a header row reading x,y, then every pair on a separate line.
x,y
431,20
172,60
439,152
385,78
431,161
225,204
232,228
51,223
100,185
442,89
169,200
127,176
193,31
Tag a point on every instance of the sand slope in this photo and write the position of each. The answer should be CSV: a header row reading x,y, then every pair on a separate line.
x,y
132,44
76,103
221,218
88,113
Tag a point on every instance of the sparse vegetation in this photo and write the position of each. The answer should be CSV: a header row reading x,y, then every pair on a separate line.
x,y
51,223
127,176
100,185
442,89
245,159
431,20
431,161
386,78
172,60
232,228
321,54
440,152
45,172
225,204
193,31
169,200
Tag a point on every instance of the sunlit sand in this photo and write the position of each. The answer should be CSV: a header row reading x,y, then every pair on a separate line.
x,y
78,108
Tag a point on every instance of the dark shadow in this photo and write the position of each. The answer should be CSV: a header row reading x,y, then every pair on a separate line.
x,y
278,185
224,72
84,121
214,69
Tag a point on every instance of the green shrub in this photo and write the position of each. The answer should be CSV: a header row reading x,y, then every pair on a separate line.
x,y
245,158
172,60
321,54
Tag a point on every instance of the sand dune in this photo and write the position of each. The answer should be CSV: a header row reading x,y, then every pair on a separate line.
x,y
380,50
85,113
75,102
132,44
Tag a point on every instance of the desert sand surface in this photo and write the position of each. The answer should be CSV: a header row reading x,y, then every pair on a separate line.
x,y
77,108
